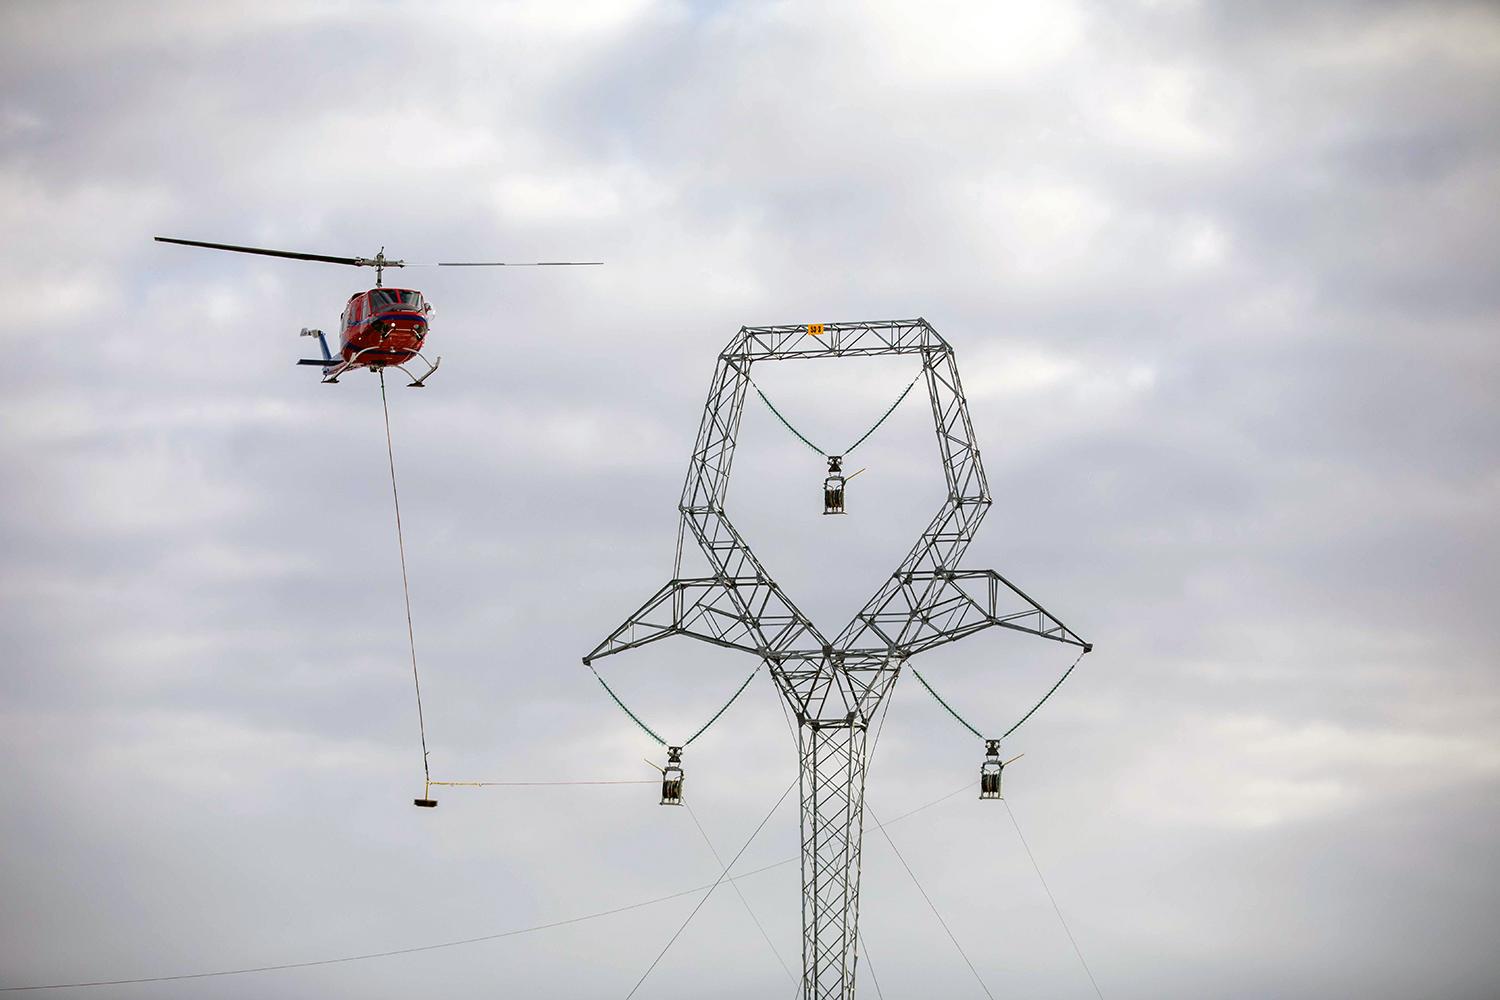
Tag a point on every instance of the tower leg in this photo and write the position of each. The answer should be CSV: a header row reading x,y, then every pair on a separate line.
x,y
833,803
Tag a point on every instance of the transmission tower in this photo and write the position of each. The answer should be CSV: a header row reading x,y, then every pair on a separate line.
x,y
834,686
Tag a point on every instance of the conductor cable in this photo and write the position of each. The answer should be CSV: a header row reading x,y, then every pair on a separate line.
x,y
419,949
733,861
739,892
931,905
1053,899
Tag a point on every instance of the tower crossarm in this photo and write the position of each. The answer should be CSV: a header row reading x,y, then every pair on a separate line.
x,y
704,608
750,592
874,338
927,609
722,594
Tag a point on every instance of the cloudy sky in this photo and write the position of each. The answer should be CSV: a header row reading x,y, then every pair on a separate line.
x,y
1223,284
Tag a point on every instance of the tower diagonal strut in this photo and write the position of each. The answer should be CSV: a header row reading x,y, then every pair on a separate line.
x,y
833,687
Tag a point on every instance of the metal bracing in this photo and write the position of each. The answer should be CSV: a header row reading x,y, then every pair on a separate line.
x,y
833,686
833,759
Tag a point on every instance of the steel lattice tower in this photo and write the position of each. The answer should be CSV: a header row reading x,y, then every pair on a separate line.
x,y
835,686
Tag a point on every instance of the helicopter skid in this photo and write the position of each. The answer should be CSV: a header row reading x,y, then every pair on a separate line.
x,y
331,372
420,383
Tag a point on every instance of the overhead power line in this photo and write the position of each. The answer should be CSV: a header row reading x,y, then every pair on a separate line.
x,y
932,906
376,954
864,949
735,886
418,949
1055,908
833,684
732,862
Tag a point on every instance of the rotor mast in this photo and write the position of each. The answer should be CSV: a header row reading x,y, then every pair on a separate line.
x,y
379,262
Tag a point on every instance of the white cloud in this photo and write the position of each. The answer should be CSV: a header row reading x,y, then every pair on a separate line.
x,y
1246,771
1162,111
57,269
953,44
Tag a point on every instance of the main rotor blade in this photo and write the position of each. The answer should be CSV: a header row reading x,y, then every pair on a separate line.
x,y
354,261
506,263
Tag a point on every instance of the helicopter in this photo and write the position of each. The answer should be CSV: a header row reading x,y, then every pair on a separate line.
x,y
382,327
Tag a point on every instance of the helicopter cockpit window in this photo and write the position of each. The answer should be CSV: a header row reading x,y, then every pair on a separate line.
x,y
394,298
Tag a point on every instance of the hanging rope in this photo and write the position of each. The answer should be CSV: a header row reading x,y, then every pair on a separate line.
x,y
965,723
857,442
651,732
533,784
411,638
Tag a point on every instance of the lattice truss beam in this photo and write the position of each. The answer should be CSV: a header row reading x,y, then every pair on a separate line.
x,y
926,602
833,785
834,686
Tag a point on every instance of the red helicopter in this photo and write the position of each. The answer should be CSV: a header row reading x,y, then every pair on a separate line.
x,y
383,327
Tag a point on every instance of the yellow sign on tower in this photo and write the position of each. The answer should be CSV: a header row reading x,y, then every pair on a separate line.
x,y
815,329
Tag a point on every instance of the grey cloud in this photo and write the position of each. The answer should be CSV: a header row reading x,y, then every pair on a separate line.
x,y
1222,283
